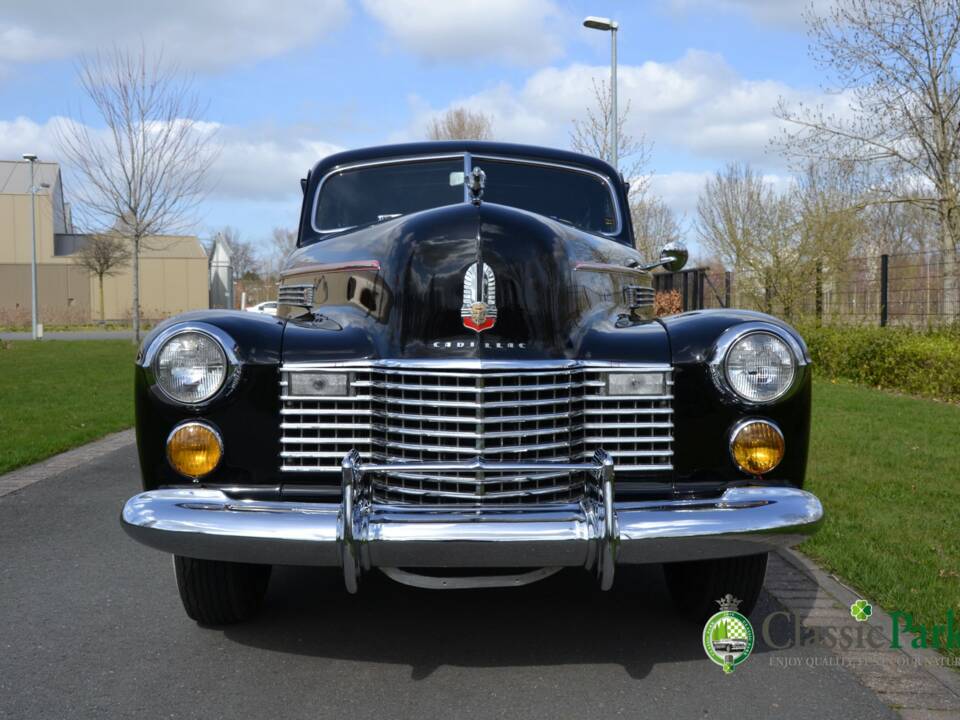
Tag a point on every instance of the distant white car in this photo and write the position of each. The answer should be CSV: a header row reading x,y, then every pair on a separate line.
x,y
266,308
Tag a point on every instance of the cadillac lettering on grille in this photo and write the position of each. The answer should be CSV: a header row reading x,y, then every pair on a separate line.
x,y
548,414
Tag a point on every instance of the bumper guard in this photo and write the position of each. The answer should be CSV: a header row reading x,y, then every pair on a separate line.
x,y
357,534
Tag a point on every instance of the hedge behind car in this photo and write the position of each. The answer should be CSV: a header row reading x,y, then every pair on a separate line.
x,y
911,361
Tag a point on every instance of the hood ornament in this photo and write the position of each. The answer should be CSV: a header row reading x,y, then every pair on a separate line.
x,y
479,309
475,182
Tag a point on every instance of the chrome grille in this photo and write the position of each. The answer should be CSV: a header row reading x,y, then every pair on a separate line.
x,y
295,295
556,413
637,296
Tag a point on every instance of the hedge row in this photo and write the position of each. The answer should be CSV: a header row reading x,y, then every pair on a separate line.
x,y
900,359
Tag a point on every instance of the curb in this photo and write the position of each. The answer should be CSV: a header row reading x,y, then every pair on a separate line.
x,y
913,681
22,477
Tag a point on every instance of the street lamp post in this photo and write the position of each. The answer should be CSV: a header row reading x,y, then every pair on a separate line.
x,y
611,26
32,159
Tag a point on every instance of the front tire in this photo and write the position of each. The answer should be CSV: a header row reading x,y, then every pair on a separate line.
x,y
220,593
695,586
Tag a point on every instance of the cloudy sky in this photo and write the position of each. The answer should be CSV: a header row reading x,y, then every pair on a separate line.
x,y
288,81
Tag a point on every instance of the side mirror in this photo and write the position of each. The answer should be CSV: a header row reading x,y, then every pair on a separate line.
x,y
674,256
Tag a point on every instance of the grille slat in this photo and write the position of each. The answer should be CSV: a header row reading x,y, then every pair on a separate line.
x,y
527,414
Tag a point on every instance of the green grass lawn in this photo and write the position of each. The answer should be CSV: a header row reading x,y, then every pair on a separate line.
x,y
887,469
56,395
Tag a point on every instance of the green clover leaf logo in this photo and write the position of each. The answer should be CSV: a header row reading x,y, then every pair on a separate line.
x,y
861,610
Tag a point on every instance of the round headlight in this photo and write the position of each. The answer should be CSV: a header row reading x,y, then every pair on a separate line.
x,y
760,367
191,367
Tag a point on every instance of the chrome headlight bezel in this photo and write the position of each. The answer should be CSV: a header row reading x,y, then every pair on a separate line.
x,y
730,337
151,356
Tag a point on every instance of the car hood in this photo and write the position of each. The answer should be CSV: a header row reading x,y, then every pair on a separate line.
x,y
396,290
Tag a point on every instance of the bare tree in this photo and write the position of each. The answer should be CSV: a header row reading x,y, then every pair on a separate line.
x,y
284,241
243,256
103,256
751,228
144,173
654,225
591,136
896,62
461,124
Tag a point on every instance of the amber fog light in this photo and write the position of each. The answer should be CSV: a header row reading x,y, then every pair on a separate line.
x,y
194,449
757,446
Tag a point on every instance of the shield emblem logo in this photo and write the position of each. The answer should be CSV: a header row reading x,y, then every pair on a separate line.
x,y
479,309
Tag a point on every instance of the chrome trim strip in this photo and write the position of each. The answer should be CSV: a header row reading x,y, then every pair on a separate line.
x,y
443,364
610,268
349,266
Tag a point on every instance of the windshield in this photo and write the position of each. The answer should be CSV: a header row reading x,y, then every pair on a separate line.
x,y
373,193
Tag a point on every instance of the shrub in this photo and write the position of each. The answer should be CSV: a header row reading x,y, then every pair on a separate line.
x,y
910,361
667,303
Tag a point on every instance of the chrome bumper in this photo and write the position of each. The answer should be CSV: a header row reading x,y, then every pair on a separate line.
x,y
356,534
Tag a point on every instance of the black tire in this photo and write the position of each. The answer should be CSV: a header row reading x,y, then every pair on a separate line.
x,y
220,593
696,586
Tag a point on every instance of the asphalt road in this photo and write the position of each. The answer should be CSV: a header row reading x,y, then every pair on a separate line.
x,y
91,626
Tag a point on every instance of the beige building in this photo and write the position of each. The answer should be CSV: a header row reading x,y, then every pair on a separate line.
x,y
173,269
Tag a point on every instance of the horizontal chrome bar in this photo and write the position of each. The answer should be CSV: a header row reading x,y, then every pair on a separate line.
x,y
642,439
442,364
426,447
417,402
324,411
486,420
470,390
489,495
626,426
487,479
625,411
206,523
634,453
492,435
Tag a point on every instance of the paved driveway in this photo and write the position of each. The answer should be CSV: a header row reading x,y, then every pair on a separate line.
x,y
91,626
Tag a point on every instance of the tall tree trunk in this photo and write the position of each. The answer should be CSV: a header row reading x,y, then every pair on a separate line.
x,y
136,288
103,316
948,251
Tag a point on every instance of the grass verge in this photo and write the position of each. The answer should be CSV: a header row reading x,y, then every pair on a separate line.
x,y
58,395
887,469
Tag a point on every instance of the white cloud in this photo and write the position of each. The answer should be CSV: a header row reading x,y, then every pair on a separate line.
x,y
679,190
258,166
787,14
697,104
252,165
205,35
468,31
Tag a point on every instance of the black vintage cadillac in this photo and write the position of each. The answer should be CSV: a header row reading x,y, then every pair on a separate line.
x,y
466,386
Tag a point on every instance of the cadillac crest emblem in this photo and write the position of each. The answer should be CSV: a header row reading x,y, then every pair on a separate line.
x,y
479,309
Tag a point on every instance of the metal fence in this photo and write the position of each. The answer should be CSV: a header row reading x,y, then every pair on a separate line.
x,y
908,289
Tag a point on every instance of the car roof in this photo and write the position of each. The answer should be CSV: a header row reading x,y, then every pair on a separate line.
x,y
477,147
